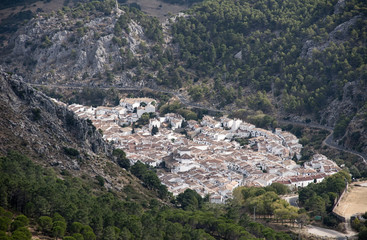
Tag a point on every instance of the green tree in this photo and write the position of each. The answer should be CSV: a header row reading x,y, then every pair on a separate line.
x,y
4,223
173,231
144,119
190,200
45,224
279,188
89,235
121,158
69,238
76,227
151,180
316,205
139,169
21,233
154,130
78,236
58,229
362,234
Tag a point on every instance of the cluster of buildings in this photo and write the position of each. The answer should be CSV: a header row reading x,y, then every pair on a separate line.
x,y
204,155
116,122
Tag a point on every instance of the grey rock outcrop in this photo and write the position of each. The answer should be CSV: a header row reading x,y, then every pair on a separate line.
x,y
338,35
31,120
60,49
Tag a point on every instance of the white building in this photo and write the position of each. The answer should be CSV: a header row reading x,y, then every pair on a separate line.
x,y
131,103
147,109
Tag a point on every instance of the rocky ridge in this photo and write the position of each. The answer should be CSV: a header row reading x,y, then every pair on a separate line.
x,y
59,47
31,122
46,131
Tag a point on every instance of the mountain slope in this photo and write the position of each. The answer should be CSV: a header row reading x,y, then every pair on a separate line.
x,y
94,43
294,59
29,118
33,124
33,121
106,202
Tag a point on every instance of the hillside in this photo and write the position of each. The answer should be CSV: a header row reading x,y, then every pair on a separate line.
x,y
291,59
308,58
33,121
57,170
261,60
50,134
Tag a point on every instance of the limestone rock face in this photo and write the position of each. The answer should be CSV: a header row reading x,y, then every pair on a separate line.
x,y
338,35
31,120
61,49
352,105
46,131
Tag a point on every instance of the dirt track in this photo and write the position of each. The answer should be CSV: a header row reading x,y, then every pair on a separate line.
x,y
355,201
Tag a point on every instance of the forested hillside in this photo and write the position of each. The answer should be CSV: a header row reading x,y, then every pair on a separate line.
x,y
75,208
303,53
293,58
57,170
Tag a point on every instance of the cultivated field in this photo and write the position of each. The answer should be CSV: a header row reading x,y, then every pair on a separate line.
x,y
354,201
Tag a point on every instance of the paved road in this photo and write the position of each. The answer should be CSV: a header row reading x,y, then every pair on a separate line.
x,y
327,233
329,140
292,199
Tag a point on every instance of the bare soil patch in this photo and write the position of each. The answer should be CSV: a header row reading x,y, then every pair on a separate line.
x,y
354,201
159,9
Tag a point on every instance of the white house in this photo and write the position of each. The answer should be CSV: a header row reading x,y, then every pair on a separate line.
x,y
216,198
266,179
184,151
210,122
226,122
236,124
153,122
131,103
147,109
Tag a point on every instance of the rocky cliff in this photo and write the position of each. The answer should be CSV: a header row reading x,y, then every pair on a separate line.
x,y
32,122
89,45
35,125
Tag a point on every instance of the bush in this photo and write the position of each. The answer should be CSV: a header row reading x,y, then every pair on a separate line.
x,y
100,180
121,158
4,223
69,238
71,152
36,114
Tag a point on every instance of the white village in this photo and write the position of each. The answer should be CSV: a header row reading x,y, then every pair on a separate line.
x,y
206,158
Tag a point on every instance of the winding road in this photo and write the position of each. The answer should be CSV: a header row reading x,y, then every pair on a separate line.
x,y
329,140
